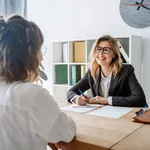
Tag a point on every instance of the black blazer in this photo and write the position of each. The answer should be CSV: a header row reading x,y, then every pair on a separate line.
x,y
124,88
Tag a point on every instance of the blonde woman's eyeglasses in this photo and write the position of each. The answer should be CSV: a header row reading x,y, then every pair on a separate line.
x,y
105,50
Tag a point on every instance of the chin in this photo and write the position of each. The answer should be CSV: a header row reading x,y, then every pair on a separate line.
x,y
102,63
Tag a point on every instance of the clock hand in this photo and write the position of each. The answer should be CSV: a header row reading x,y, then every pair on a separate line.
x,y
142,6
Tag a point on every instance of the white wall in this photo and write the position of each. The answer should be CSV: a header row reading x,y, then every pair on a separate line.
x,y
62,20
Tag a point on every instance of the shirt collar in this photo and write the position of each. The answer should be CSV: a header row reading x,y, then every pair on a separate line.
x,y
109,77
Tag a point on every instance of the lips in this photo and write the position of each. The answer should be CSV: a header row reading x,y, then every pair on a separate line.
x,y
101,58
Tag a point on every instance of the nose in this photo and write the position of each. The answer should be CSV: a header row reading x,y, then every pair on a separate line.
x,y
101,52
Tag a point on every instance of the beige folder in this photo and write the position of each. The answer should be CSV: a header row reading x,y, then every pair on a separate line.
x,y
79,52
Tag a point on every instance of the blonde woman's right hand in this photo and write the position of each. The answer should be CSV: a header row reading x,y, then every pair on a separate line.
x,y
81,100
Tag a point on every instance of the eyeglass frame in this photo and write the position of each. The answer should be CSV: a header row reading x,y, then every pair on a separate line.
x,y
43,50
102,49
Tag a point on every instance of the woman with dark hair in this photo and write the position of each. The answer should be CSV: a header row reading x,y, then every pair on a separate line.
x,y
29,116
111,81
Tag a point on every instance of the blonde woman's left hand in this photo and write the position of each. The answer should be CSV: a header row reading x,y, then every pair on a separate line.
x,y
98,100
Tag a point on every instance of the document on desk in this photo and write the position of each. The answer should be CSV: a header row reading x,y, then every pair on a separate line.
x,y
81,109
111,111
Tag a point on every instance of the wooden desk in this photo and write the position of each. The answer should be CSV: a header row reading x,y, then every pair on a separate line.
x,y
95,133
100,133
138,140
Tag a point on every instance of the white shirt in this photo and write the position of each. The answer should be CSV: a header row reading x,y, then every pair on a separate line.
x,y
30,118
105,84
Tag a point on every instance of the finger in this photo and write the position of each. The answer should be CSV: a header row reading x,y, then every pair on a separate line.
x,y
64,146
82,102
83,98
52,146
93,102
88,98
92,99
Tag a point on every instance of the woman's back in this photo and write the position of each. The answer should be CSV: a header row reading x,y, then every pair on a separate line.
x,y
27,115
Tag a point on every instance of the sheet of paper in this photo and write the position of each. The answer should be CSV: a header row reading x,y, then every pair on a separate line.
x,y
81,109
111,111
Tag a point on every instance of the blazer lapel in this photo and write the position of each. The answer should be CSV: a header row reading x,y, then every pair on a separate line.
x,y
113,85
97,86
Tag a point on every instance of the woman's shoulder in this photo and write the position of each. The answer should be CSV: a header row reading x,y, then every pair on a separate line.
x,y
29,89
127,68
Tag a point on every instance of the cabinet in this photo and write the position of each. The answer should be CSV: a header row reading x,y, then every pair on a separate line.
x,y
71,60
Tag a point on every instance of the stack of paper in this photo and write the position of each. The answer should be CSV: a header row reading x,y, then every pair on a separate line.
x,y
81,109
111,111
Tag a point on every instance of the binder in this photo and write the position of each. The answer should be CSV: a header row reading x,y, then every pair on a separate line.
x,y
79,52
82,71
64,52
123,53
75,74
61,72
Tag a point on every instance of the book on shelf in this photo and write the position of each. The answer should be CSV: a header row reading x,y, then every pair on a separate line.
x,y
124,55
82,71
58,52
64,52
75,74
61,74
79,51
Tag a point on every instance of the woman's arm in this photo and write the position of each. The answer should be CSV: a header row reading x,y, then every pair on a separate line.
x,y
137,96
49,122
83,85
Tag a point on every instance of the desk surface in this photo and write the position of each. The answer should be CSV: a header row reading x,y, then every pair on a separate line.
x,y
138,140
101,133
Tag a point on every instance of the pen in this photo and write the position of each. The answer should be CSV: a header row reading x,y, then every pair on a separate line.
x,y
81,93
141,111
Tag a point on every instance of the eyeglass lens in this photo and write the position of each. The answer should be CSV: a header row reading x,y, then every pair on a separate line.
x,y
105,50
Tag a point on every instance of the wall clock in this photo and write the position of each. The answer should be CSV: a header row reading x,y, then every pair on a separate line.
x,y
135,13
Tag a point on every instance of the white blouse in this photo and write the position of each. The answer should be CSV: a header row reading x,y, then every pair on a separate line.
x,y
105,84
30,118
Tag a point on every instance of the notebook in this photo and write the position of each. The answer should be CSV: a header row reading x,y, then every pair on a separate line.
x,y
81,109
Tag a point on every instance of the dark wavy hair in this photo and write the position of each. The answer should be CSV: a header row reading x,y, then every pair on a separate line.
x,y
20,44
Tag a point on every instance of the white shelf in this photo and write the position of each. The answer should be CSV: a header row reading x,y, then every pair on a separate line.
x,y
60,63
77,63
61,85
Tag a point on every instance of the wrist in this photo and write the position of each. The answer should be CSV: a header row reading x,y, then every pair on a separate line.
x,y
106,101
74,100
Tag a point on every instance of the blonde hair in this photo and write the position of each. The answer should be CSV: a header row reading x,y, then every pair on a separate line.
x,y
116,63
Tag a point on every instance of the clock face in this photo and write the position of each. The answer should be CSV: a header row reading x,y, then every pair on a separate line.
x,y
135,13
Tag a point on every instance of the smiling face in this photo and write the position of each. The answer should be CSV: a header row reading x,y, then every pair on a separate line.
x,y
102,58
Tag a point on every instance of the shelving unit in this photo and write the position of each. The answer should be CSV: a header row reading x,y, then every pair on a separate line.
x,y
71,60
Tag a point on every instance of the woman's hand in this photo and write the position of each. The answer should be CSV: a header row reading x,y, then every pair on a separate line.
x,y
52,146
98,100
60,145
81,100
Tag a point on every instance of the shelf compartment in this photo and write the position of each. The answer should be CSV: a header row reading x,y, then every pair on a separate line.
x,y
60,52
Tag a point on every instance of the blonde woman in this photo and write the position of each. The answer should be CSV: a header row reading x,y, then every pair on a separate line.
x,y
29,116
111,82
